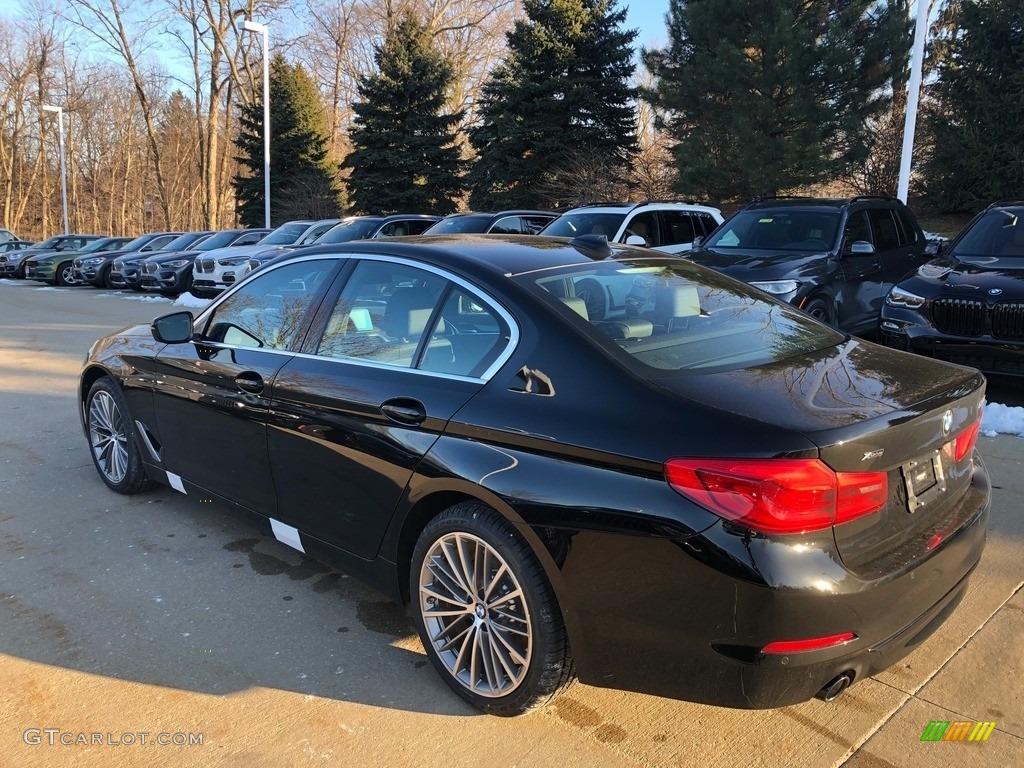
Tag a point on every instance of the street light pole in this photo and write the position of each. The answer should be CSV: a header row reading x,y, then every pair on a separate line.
x,y
63,164
252,26
913,94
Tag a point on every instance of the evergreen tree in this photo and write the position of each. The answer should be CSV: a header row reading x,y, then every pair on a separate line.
x,y
562,96
301,176
405,156
764,96
974,106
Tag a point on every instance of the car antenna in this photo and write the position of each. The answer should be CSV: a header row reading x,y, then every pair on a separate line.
x,y
592,246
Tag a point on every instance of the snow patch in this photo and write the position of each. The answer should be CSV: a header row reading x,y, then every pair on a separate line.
x,y
1002,419
150,299
935,237
9,281
188,300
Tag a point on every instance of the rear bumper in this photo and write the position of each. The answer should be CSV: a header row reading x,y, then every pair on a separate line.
x,y
688,619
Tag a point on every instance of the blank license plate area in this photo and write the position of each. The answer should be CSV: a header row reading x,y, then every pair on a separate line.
x,y
925,481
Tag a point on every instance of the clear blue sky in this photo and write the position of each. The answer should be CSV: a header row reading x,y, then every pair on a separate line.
x,y
649,17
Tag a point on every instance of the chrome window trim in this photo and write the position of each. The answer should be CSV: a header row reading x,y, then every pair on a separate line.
x,y
510,343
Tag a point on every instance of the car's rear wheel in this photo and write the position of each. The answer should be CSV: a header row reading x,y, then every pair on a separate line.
x,y
112,440
487,614
65,273
821,309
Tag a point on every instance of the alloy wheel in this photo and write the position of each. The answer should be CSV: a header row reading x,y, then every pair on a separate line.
x,y
475,615
108,437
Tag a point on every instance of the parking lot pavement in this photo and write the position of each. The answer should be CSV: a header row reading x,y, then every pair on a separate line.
x,y
162,615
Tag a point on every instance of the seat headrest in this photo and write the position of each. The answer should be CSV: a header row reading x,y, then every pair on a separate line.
x,y
676,301
408,312
577,305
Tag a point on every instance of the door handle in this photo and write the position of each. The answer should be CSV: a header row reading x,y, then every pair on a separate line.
x,y
404,410
250,381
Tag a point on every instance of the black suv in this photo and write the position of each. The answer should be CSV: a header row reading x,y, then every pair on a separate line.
x,y
836,259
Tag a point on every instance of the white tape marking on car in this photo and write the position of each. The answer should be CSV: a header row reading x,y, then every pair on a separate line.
x,y
176,484
286,535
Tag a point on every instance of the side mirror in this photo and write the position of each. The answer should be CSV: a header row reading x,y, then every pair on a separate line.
x,y
175,328
635,240
698,240
861,248
933,248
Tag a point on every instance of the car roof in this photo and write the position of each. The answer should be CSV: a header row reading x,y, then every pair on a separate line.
x,y
504,254
620,207
797,201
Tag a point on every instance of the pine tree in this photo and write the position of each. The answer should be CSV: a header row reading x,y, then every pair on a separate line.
x,y
301,177
561,97
974,107
405,156
764,96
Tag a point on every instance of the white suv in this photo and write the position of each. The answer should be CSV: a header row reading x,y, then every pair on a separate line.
x,y
665,226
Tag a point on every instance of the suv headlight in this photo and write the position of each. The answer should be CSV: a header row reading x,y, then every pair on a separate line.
x,y
778,287
234,261
90,262
900,298
176,263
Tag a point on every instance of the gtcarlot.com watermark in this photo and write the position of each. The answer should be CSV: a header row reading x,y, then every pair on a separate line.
x,y
58,736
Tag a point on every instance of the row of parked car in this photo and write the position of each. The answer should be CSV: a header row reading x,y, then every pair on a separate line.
x,y
861,264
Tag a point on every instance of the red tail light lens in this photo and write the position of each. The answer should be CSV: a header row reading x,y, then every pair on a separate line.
x,y
812,644
965,441
781,496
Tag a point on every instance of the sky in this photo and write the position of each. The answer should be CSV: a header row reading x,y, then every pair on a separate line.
x,y
648,16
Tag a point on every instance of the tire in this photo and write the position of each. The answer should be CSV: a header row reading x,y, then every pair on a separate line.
x,y
105,281
112,439
821,309
64,274
504,662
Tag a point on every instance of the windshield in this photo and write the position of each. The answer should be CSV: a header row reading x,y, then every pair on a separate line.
x,y
583,223
98,245
181,242
454,224
359,229
783,230
286,234
996,236
217,240
658,315
50,242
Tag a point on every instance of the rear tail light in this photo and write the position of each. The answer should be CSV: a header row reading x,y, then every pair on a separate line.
x,y
778,496
811,644
964,442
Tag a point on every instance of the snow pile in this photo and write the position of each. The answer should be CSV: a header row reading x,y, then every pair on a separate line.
x,y
934,237
143,297
188,300
1005,419
9,281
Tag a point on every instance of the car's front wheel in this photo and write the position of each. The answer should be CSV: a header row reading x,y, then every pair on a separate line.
x,y
112,441
65,274
487,614
821,309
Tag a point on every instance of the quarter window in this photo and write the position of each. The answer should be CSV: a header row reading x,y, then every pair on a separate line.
x,y
271,310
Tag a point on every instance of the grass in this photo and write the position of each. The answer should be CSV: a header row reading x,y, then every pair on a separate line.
x,y
946,224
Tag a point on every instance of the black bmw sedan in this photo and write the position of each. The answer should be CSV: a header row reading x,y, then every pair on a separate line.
x,y
967,306
702,493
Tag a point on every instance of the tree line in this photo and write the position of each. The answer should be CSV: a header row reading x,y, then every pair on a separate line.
x,y
380,106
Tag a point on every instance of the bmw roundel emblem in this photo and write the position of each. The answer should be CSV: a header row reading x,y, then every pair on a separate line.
x,y
947,422
994,291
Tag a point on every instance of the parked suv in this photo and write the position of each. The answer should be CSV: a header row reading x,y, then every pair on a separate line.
x,y
12,263
95,269
57,268
666,226
836,259
500,223
170,272
967,305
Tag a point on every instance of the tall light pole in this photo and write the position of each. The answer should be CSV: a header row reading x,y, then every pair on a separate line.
x,y
261,29
913,94
63,165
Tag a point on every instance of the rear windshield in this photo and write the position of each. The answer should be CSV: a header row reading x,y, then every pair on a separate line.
x,y
995,237
454,224
659,315
573,224
787,230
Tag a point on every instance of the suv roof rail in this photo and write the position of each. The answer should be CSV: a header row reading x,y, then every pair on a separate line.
x,y
1000,203
788,197
669,202
615,203
875,197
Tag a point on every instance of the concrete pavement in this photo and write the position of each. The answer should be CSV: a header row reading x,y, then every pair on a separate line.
x,y
157,614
